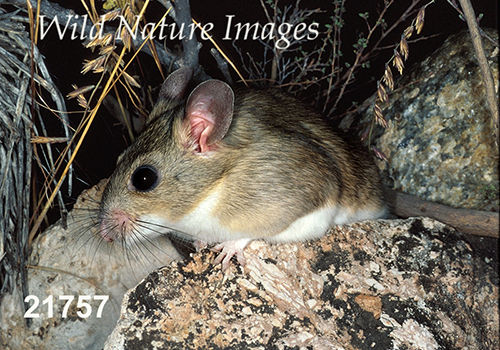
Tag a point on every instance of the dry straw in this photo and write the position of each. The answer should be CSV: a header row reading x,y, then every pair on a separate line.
x,y
22,74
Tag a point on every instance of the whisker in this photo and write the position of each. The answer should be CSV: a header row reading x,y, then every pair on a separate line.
x,y
142,245
178,239
183,245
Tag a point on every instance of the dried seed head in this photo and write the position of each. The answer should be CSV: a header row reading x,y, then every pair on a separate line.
x,y
419,22
388,79
379,118
82,101
398,62
106,50
78,94
112,15
131,80
97,41
114,59
126,39
108,39
403,47
378,153
79,91
104,41
94,65
408,32
382,93
129,16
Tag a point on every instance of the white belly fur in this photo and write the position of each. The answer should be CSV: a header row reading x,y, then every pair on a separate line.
x,y
315,224
202,225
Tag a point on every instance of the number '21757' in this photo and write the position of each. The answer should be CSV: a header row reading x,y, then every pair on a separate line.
x,y
85,309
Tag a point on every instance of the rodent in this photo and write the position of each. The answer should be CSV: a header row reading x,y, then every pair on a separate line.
x,y
230,166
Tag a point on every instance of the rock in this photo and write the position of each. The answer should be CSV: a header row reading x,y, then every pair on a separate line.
x,y
71,261
440,142
400,284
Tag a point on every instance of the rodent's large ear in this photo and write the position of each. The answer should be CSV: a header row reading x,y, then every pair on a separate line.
x,y
174,87
209,110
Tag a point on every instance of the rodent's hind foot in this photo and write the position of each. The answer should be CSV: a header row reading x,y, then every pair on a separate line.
x,y
228,249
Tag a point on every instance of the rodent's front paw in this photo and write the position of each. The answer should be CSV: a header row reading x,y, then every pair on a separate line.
x,y
228,249
199,245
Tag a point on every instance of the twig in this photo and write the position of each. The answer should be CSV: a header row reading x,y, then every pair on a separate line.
x,y
222,64
190,45
346,78
476,222
489,85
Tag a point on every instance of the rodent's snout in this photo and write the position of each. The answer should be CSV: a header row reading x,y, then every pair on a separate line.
x,y
115,224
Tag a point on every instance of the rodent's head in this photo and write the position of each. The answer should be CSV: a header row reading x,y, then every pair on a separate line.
x,y
173,162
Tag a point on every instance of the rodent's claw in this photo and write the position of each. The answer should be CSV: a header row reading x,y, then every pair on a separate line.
x,y
199,245
229,249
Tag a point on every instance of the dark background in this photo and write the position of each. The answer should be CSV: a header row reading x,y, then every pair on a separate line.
x,y
96,159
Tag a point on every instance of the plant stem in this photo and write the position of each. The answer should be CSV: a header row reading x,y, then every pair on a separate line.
x,y
489,86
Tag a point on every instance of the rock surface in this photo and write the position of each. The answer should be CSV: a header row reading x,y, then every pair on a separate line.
x,y
412,284
440,142
73,262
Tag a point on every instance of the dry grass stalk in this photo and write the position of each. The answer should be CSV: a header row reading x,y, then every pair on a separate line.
x,y
386,83
24,78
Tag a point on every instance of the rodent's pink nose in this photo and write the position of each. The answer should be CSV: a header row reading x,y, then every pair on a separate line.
x,y
115,224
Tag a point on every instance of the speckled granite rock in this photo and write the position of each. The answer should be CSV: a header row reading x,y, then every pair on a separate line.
x,y
68,261
440,141
411,284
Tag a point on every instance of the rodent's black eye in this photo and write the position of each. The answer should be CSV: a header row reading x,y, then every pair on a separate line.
x,y
145,178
